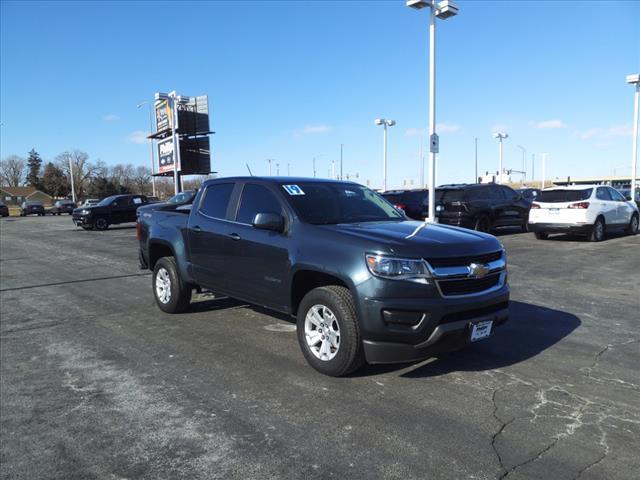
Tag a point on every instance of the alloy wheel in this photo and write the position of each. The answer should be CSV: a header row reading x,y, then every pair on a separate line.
x,y
163,286
322,332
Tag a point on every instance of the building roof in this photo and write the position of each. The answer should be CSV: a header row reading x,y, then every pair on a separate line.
x,y
22,191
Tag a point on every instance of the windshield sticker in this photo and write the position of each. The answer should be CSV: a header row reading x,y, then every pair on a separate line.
x,y
293,189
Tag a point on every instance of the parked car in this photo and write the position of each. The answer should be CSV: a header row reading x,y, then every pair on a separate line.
x,y
364,282
414,203
32,208
111,210
90,202
481,206
182,198
591,210
528,194
63,206
4,210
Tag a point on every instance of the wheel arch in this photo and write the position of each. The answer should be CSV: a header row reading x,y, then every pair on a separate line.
x,y
306,279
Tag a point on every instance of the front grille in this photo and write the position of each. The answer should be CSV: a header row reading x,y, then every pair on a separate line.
x,y
469,285
457,261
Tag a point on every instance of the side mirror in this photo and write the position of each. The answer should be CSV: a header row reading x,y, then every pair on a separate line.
x,y
268,221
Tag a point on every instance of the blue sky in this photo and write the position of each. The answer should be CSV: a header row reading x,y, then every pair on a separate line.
x,y
294,80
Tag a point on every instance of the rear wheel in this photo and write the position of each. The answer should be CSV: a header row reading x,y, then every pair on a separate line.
x,y
483,224
632,229
542,235
328,331
597,233
171,293
101,223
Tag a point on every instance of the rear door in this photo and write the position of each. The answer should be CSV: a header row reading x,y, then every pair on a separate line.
x,y
260,258
498,205
208,236
136,201
606,206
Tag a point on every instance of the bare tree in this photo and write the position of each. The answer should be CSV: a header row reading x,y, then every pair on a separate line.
x,y
142,180
83,170
123,176
12,170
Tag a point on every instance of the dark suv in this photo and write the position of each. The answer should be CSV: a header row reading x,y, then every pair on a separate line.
x,y
414,202
32,208
63,206
111,210
481,207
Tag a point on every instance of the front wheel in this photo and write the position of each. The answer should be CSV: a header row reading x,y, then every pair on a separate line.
x,y
483,224
171,293
632,229
328,331
101,223
597,233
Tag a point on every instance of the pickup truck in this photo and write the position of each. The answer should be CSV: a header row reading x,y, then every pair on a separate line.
x,y
365,283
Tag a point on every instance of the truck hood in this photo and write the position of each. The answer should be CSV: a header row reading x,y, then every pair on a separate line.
x,y
420,239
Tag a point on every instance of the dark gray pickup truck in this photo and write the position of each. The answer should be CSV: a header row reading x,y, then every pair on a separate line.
x,y
365,283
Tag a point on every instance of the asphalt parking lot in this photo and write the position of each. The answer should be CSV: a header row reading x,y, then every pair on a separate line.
x,y
97,382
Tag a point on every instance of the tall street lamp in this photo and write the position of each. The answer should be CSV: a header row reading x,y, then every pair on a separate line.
x,y
153,163
500,137
634,80
442,10
524,160
385,124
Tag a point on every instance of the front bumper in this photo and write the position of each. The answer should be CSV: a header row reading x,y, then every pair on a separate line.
x,y
444,324
583,229
81,220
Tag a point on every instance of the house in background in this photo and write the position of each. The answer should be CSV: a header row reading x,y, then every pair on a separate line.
x,y
17,195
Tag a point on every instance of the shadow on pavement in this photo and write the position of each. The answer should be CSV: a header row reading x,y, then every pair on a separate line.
x,y
531,330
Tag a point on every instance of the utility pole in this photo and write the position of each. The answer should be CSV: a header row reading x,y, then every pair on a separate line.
x,y
73,190
314,167
341,145
269,160
476,177
533,166
420,165
544,165
278,169
288,169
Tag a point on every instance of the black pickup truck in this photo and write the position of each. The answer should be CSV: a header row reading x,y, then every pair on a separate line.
x,y
109,211
364,281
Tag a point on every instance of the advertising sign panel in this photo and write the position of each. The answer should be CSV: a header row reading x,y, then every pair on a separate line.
x,y
163,115
165,155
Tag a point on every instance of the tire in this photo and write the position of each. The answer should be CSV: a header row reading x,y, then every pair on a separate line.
x,y
542,235
101,223
171,293
483,224
597,233
632,229
330,309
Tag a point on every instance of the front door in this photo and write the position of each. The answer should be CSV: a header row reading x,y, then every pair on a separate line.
x,y
260,257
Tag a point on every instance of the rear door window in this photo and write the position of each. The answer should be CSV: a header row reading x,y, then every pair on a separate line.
x,y
602,193
216,200
256,199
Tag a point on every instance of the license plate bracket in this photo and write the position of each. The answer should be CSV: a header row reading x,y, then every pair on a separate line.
x,y
481,330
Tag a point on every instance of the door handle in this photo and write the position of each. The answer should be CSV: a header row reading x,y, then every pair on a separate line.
x,y
196,229
235,236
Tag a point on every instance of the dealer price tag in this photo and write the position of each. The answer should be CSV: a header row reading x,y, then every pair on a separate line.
x,y
481,330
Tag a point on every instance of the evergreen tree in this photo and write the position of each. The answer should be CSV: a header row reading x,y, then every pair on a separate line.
x,y
33,166
54,181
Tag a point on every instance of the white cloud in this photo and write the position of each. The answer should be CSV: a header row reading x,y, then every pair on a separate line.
x,y
316,129
111,117
604,133
549,124
440,128
139,137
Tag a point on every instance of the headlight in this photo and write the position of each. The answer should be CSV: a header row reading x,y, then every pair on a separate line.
x,y
84,212
398,268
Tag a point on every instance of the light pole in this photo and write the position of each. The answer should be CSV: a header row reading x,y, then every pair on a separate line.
x,y
476,178
442,10
277,169
269,160
314,164
152,157
524,160
73,190
500,137
288,169
385,124
341,145
634,80
544,167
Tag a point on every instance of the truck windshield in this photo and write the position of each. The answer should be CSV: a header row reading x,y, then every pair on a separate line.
x,y
106,201
559,196
331,203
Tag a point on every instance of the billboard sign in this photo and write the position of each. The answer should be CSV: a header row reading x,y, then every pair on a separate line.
x,y
163,115
166,155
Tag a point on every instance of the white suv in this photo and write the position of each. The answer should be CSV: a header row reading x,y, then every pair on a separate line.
x,y
591,210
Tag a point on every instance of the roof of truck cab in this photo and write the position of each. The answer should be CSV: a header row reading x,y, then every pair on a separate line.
x,y
279,180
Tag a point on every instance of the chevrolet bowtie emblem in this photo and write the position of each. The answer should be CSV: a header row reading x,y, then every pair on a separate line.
x,y
478,270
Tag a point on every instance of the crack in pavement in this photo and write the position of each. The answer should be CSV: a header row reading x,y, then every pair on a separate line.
x,y
53,284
